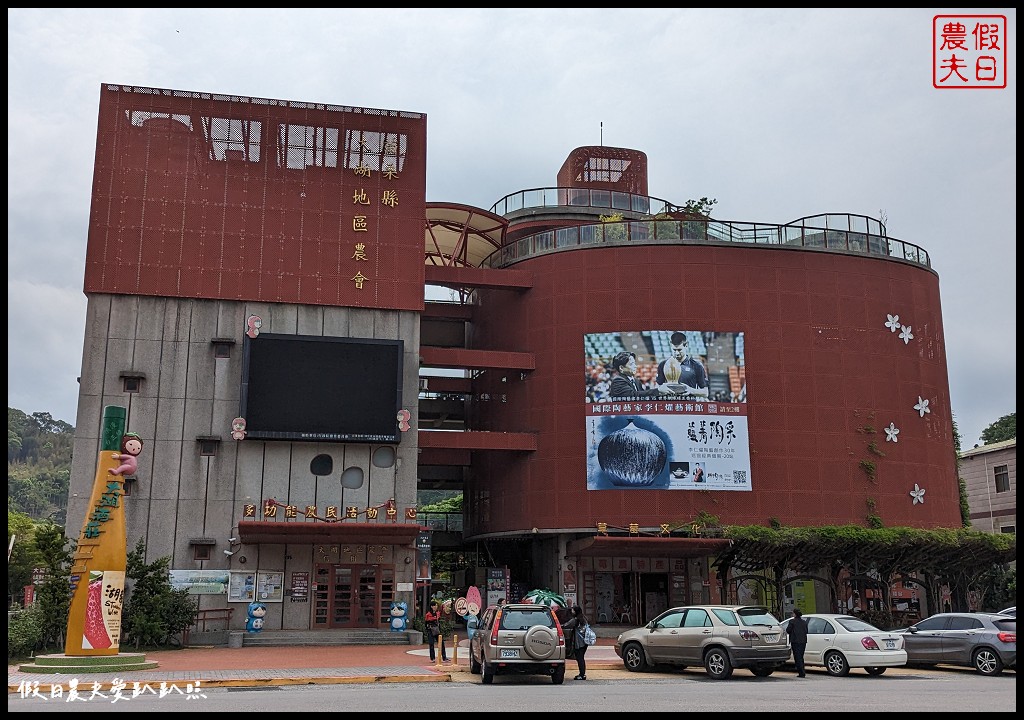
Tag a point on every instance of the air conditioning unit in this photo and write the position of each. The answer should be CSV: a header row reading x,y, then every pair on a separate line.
x,y
423,384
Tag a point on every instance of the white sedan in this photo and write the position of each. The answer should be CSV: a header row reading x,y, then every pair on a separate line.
x,y
841,642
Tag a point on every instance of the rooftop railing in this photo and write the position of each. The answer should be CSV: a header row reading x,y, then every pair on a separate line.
x,y
833,232
580,198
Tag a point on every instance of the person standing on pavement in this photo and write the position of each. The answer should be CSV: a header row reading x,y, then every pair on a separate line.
x,y
433,625
797,629
574,627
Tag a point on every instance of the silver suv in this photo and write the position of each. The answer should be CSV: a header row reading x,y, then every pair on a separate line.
x,y
518,639
717,637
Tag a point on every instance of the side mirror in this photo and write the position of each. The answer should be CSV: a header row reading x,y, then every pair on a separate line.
x,y
912,629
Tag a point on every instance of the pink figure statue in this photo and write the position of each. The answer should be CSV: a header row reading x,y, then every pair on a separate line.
x,y
131,446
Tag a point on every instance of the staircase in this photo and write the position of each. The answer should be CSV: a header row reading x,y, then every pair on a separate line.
x,y
290,638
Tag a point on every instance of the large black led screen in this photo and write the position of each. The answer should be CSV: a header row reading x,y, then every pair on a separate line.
x,y
305,387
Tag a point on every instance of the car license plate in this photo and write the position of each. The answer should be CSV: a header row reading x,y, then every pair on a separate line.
x,y
771,638
890,644
509,654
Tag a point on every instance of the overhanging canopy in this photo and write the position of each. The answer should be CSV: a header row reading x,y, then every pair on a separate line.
x,y
461,235
633,546
281,533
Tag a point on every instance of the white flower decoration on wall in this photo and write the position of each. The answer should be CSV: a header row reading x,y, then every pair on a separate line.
x,y
893,322
922,406
905,335
891,432
918,494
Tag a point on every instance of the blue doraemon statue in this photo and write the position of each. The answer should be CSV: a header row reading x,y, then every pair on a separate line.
x,y
254,623
472,623
399,610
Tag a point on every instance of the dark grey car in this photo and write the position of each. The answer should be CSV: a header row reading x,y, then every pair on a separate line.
x,y
985,641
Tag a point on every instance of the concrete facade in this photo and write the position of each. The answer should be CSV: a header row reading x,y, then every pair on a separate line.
x,y
990,473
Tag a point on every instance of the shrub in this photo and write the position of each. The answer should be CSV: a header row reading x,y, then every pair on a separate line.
x,y
25,632
154,613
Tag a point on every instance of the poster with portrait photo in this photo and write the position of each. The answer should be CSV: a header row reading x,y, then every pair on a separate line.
x,y
660,416
675,360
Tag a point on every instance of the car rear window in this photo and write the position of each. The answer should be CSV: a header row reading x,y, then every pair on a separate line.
x,y
1007,625
756,616
525,619
856,625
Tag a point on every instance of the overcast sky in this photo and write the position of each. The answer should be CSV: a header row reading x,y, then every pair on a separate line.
x,y
779,114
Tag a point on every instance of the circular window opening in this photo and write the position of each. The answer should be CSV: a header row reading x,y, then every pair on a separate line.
x,y
321,465
352,478
384,457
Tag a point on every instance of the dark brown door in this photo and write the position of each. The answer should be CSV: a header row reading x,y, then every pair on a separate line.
x,y
353,596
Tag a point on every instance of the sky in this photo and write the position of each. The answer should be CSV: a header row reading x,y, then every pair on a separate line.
x,y
777,113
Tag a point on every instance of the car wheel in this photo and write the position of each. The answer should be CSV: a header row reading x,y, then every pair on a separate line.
x,y
474,665
488,673
836,664
633,657
874,670
987,662
558,677
760,671
717,664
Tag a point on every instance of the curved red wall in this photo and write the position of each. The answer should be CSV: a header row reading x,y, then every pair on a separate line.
x,y
821,368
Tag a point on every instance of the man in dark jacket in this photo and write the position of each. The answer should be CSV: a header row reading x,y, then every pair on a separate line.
x,y
625,383
797,629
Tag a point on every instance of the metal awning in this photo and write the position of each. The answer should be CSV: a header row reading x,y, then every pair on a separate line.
x,y
654,547
460,235
260,532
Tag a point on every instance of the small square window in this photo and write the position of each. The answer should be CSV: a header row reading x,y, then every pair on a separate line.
x,y
207,447
1008,529
201,552
131,384
222,347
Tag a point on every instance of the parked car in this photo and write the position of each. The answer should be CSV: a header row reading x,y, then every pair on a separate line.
x,y
520,639
717,637
840,642
985,641
1011,611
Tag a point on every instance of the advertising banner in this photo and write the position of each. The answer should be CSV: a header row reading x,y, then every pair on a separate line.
x,y
666,410
423,556
200,582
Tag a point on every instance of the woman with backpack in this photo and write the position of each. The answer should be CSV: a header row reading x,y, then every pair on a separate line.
x,y
577,626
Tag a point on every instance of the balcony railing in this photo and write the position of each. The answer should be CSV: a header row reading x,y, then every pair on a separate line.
x,y
580,198
838,232
441,521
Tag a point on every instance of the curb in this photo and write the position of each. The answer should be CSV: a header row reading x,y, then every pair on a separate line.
x,y
198,685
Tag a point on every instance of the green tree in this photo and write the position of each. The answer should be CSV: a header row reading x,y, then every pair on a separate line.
x,y
54,593
452,504
38,464
965,507
154,613
1005,428
700,207
24,555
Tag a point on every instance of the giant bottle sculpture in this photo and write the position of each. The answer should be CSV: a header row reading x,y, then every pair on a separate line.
x,y
98,570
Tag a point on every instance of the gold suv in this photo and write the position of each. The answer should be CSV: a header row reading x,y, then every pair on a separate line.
x,y
717,637
518,639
